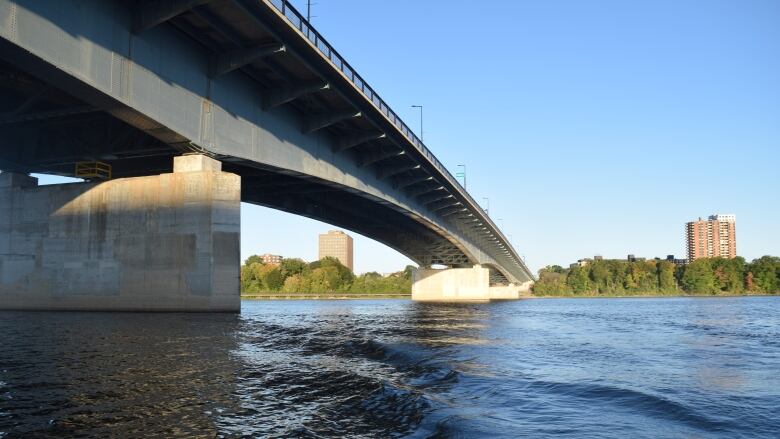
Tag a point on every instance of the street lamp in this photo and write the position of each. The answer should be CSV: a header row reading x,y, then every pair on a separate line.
x,y
501,221
462,174
421,120
487,204
309,4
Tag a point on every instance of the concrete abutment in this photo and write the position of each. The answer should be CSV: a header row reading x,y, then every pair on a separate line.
x,y
462,285
169,242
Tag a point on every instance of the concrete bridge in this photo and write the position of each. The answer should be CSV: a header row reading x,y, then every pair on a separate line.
x,y
253,105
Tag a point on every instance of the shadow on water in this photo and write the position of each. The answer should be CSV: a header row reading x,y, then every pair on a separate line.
x,y
103,374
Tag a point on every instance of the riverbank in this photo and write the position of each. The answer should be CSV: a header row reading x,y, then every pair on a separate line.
x,y
647,295
324,296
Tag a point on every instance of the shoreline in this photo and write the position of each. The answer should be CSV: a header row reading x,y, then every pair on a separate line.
x,y
325,296
648,296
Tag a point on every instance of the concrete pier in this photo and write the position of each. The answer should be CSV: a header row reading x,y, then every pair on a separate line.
x,y
161,243
451,284
462,285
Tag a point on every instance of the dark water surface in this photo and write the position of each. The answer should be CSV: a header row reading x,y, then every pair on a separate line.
x,y
620,368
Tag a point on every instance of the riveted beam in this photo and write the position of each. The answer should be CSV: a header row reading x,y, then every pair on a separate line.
x,y
389,171
371,157
280,96
319,121
354,140
225,62
150,13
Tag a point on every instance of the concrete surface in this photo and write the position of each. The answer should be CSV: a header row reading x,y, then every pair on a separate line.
x,y
451,284
161,243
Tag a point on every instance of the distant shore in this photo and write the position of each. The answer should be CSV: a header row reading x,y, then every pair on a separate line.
x,y
647,295
324,296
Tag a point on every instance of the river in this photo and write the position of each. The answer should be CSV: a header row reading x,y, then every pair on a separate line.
x,y
612,368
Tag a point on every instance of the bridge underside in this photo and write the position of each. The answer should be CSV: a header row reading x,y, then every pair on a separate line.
x,y
48,131
135,83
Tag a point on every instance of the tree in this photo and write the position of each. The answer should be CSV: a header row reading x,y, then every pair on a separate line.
x,y
271,277
345,275
666,281
250,278
254,259
729,274
765,274
698,277
599,274
551,283
578,279
292,266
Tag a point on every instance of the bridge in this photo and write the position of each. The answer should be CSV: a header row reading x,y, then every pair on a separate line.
x,y
244,88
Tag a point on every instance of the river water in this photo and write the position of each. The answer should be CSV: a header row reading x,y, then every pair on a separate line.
x,y
616,368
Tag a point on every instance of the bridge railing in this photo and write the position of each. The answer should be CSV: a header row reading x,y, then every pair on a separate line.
x,y
297,20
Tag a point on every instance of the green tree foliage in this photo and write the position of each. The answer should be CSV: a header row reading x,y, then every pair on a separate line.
x,y
293,266
327,275
703,276
254,259
551,282
765,274
578,279
666,280
699,277
250,277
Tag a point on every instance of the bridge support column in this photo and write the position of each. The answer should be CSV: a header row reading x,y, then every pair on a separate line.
x,y
511,291
161,243
451,284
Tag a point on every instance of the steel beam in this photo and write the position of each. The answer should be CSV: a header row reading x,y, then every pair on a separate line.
x,y
402,182
150,13
9,118
389,171
441,204
225,62
372,157
349,142
317,122
450,211
436,196
423,189
280,96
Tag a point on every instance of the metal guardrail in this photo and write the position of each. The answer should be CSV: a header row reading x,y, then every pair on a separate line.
x,y
93,170
298,21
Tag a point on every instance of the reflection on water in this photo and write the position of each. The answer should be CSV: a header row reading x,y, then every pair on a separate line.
x,y
539,368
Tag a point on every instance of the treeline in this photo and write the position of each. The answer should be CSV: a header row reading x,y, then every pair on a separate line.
x,y
327,275
703,276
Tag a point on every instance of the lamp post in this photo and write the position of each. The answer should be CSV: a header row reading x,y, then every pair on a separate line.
x,y
501,222
462,174
487,205
421,120
308,10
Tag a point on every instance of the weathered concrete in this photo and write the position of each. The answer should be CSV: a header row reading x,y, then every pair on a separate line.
x,y
159,243
463,284
510,292
451,284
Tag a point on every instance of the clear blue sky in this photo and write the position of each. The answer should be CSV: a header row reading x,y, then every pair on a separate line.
x,y
594,127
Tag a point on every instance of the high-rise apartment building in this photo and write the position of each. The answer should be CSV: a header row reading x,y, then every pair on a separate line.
x,y
337,244
715,237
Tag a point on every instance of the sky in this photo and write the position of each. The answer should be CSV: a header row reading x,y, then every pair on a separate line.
x,y
595,127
